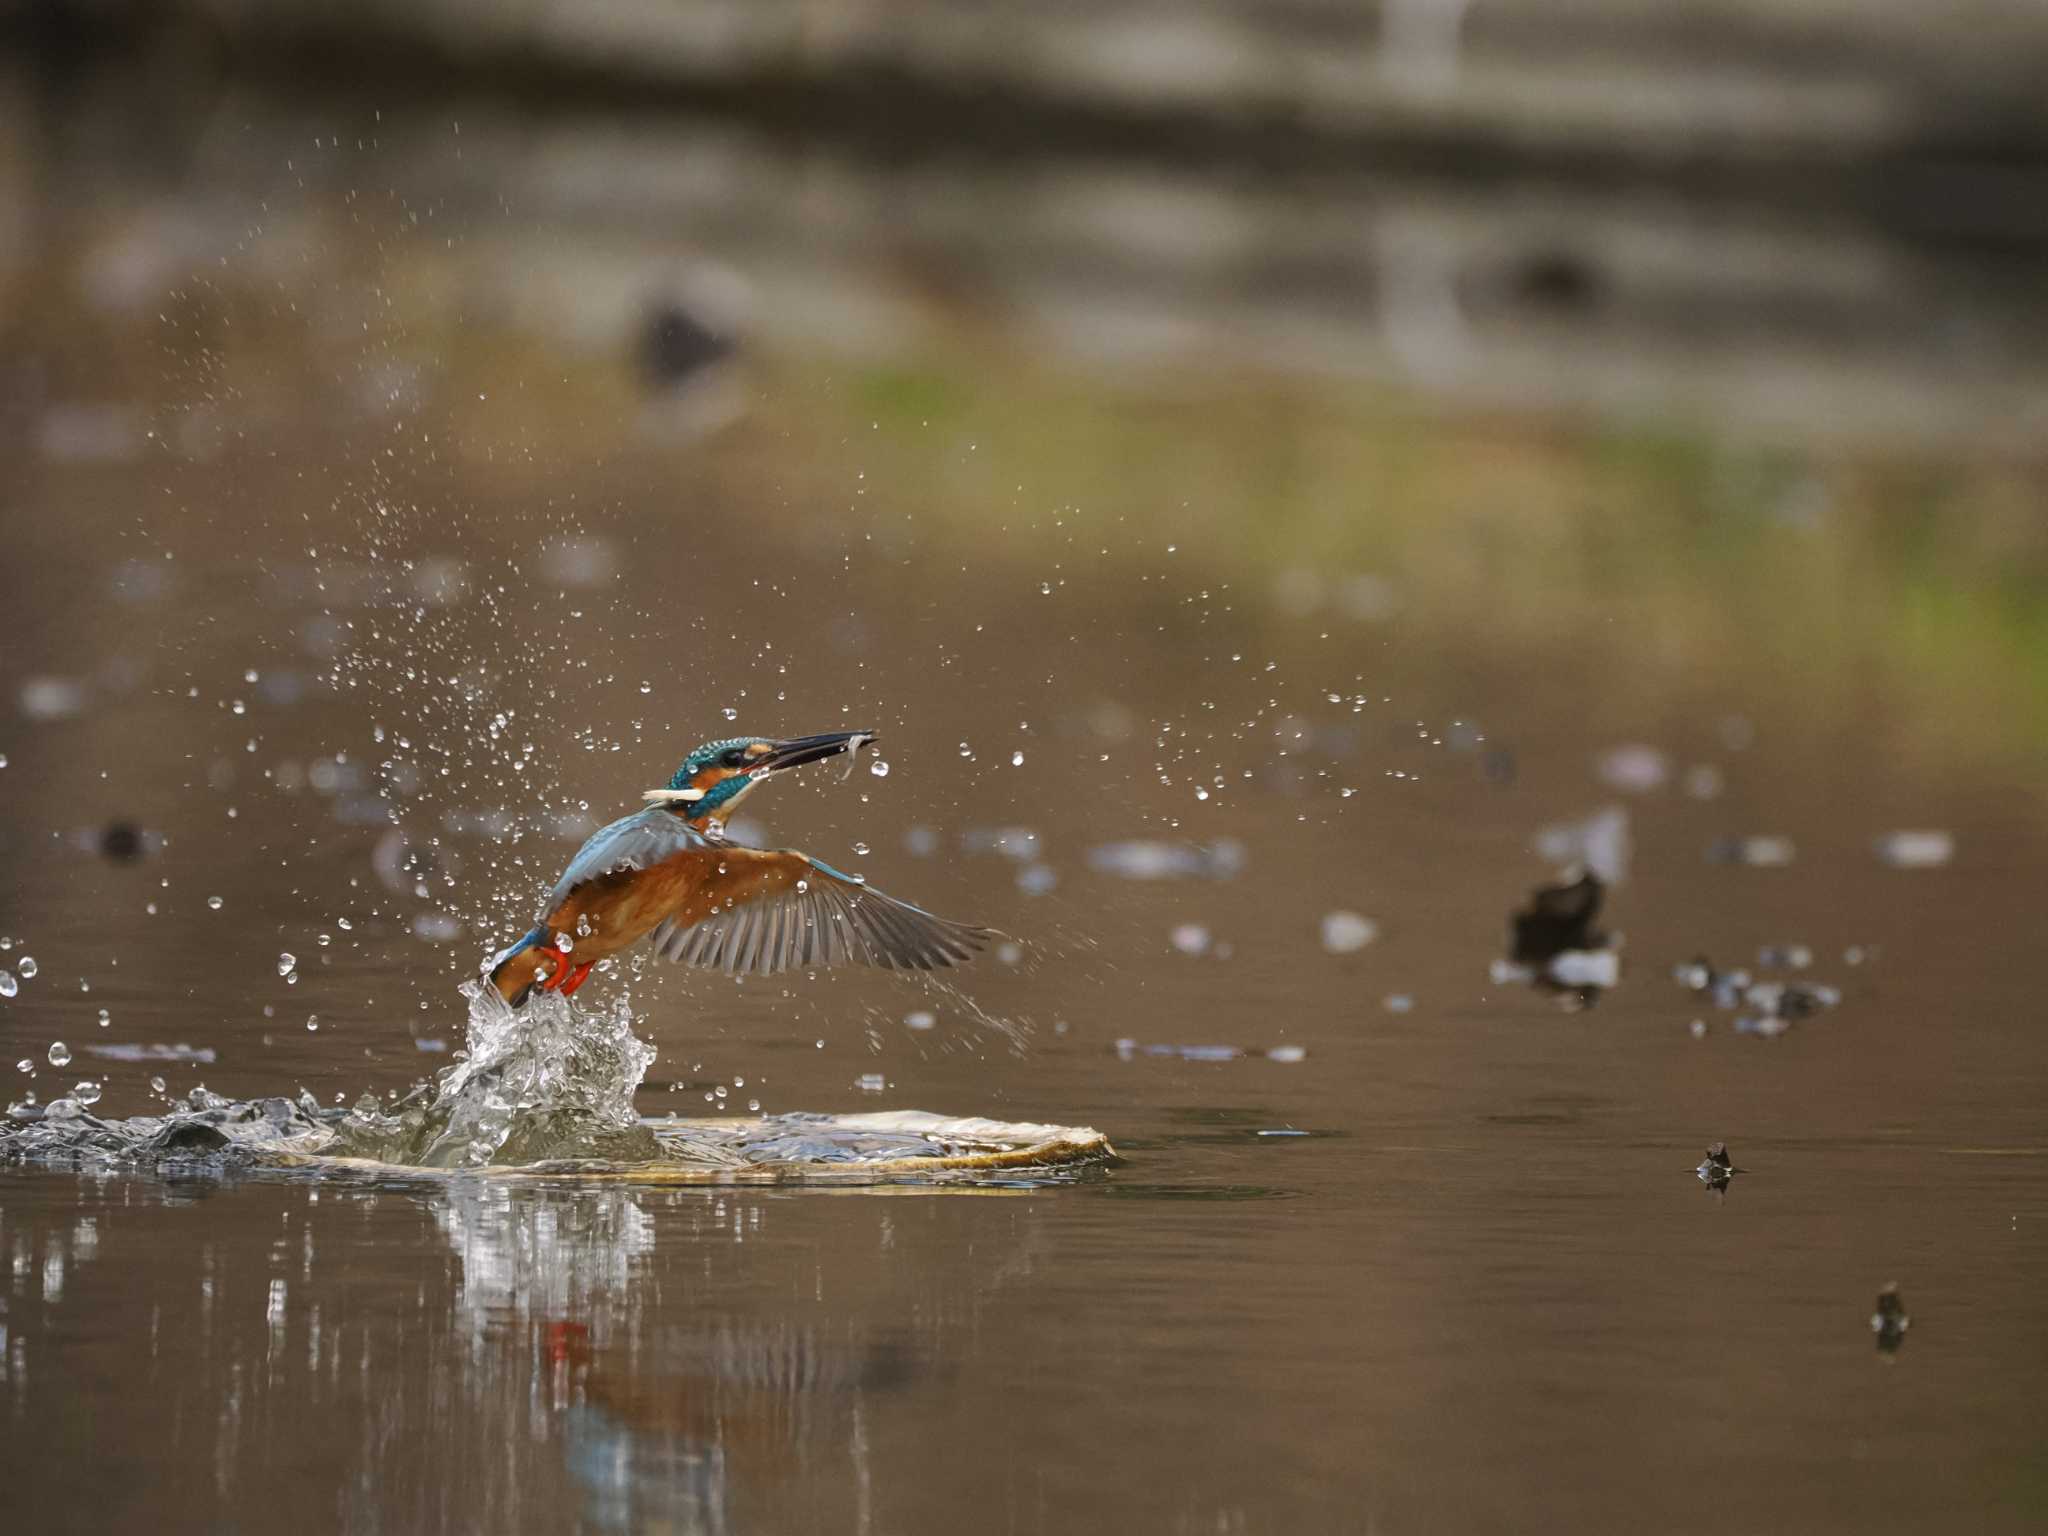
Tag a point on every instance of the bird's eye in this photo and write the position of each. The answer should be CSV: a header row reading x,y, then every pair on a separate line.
x,y
733,758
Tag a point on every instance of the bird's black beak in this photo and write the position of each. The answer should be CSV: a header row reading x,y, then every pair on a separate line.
x,y
798,750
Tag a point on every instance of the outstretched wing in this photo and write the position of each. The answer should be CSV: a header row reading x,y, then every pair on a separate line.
x,y
773,912
639,841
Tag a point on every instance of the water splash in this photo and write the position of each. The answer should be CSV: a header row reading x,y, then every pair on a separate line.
x,y
545,1089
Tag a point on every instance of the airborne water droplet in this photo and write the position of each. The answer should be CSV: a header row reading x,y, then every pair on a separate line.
x,y
1016,759
861,849
879,768
28,967
87,1093
285,961
730,713
8,985
214,902
60,1054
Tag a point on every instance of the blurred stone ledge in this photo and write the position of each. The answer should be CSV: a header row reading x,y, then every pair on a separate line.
x,y
1672,85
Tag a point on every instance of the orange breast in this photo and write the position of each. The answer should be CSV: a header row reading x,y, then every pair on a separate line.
x,y
616,911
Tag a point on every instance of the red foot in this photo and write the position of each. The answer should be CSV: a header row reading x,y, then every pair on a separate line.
x,y
576,975
561,970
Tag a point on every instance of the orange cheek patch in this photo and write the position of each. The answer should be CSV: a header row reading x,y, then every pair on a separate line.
x,y
706,778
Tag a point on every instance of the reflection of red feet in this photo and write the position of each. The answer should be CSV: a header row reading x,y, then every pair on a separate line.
x,y
567,1341
574,977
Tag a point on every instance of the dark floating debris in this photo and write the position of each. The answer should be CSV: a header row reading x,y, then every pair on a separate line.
x,y
1766,1008
1889,1322
121,841
1717,1168
1555,947
676,346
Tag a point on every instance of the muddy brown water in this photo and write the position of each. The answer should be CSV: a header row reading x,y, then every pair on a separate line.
x,y
1391,1245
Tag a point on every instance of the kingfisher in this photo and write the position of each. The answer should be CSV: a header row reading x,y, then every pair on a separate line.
x,y
669,873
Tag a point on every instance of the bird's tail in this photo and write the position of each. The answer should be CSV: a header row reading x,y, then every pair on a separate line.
x,y
516,969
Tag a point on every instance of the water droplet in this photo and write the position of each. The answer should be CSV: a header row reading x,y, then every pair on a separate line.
x,y
285,961
646,687
60,1054
28,967
870,1082
921,1019
106,1018
313,1021
754,1105
215,902
343,924
1016,759
564,942
879,768
966,750
1045,589
861,849
802,886
8,985
730,713
156,1085
24,1065
3,759
87,1092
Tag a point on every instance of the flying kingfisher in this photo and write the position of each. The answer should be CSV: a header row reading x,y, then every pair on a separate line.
x,y
670,871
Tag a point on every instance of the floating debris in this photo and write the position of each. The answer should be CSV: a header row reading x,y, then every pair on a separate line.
x,y
1131,1050
1037,879
1717,1168
1767,852
52,698
1634,769
123,842
1020,843
1890,1322
1554,946
1346,933
1599,843
121,1051
436,927
1769,1008
1147,859
1703,781
1916,850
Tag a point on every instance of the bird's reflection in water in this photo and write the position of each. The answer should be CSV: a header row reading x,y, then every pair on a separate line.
x,y
666,1417
661,1444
